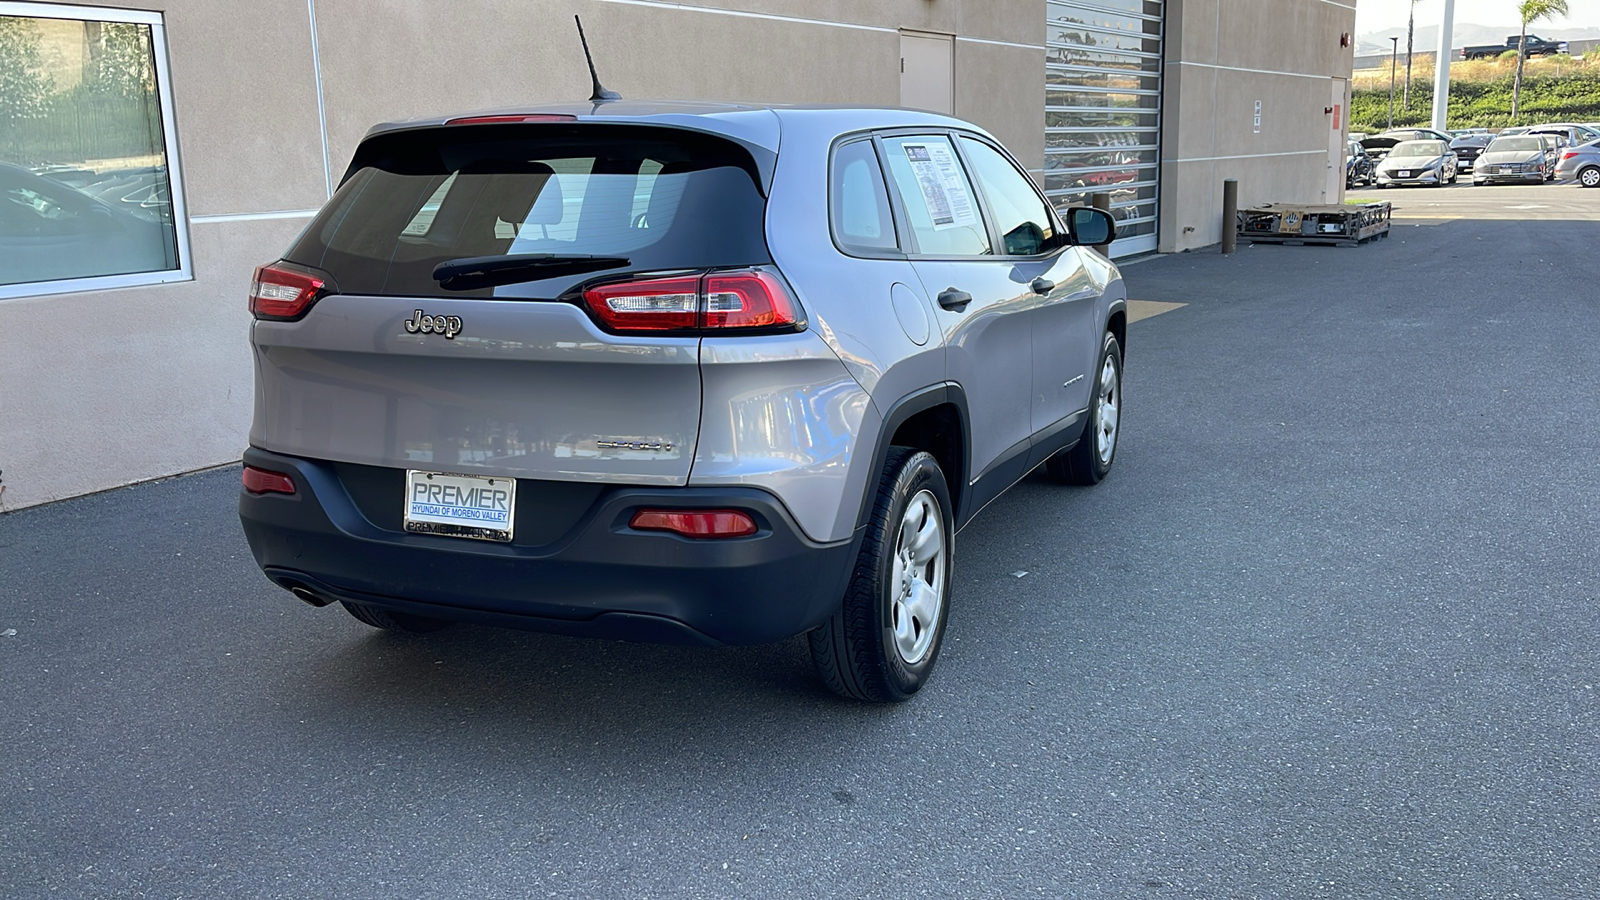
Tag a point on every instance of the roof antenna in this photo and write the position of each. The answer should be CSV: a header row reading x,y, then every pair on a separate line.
x,y
600,93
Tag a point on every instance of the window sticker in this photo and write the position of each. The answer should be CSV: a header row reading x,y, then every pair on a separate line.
x,y
944,190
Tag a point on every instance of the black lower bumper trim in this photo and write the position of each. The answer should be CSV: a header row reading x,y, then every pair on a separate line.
x,y
599,578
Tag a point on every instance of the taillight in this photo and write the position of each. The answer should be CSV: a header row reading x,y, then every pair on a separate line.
x,y
696,523
753,299
745,299
661,304
261,481
281,293
1568,154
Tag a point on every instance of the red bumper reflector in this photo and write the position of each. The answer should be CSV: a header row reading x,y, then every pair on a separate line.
x,y
696,523
260,481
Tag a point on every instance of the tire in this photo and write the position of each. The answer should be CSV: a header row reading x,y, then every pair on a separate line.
x,y
1089,460
389,620
883,642
1589,176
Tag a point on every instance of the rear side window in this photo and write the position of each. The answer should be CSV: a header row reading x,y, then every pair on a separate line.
x,y
660,199
937,196
858,202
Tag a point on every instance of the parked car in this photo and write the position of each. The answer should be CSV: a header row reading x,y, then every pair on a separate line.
x,y
1417,134
1534,46
707,401
1513,159
1581,163
50,230
1552,153
1468,147
1358,166
1418,162
1563,137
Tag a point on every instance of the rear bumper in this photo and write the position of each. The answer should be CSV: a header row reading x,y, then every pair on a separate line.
x,y
1421,178
593,577
1487,177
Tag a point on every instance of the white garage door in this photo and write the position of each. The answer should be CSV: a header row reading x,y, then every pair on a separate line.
x,y
1103,111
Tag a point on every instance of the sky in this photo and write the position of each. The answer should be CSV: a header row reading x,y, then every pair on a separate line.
x,y
1376,15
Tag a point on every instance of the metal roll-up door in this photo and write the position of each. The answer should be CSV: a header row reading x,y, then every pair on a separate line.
x,y
1103,111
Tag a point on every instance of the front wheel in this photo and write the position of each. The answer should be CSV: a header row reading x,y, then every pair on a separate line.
x,y
1089,460
882,643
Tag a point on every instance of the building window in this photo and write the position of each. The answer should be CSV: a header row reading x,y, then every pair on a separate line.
x,y
89,194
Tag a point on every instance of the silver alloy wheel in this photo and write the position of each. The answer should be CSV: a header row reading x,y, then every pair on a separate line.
x,y
1105,432
1589,177
918,585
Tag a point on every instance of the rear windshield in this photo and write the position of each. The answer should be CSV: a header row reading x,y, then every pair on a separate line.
x,y
656,198
1418,148
1516,145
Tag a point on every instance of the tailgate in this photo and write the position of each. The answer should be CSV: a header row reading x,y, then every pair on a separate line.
x,y
528,390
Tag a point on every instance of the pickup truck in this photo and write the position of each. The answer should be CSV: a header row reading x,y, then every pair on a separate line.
x,y
1537,46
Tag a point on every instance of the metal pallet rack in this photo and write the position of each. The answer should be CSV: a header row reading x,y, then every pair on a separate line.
x,y
1346,225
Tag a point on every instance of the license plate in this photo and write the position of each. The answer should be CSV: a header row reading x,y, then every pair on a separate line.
x,y
467,506
1404,173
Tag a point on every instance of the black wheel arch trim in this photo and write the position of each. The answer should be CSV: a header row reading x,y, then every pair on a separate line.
x,y
900,412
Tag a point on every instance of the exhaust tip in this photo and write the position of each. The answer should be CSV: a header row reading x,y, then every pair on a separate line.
x,y
305,593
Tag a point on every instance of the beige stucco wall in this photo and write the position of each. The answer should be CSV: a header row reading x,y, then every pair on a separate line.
x,y
1221,57
99,389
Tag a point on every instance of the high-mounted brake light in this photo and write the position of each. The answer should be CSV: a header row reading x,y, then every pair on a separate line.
x,y
261,481
280,293
721,301
696,523
502,120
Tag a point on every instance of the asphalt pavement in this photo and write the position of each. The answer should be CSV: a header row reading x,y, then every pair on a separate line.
x,y
1328,630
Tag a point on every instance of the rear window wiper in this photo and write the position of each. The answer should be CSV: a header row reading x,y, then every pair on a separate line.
x,y
473,272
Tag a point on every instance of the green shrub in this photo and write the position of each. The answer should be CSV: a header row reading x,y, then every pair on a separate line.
x,y
1508,56
1574,97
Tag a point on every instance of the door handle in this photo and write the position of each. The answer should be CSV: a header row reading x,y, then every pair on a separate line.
x,y
954,300
1042,285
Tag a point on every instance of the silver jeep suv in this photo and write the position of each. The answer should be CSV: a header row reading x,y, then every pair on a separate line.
x,y
691,373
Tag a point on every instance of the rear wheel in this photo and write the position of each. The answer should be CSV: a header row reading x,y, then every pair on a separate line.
x,y
1589,176
390,620
1090,459
882,643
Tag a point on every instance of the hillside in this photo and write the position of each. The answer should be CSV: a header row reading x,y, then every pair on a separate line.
x,y
1485,101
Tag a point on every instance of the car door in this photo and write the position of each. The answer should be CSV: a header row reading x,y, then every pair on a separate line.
x,y
1064,337
982,311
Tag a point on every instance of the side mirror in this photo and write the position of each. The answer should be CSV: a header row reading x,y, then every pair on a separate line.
x,y
1090,227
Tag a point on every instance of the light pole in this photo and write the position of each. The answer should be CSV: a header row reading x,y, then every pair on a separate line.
x,y
1394,63
1441,72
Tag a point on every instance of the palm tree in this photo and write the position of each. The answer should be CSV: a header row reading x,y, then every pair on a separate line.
x,y
1411,30
1531,11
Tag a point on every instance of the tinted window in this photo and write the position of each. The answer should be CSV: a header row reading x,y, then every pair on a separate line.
x,y
1516,145
858,202
659,198
1020,214
937,196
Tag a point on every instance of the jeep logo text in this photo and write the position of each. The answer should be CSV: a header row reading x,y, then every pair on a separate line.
x,y
419,323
